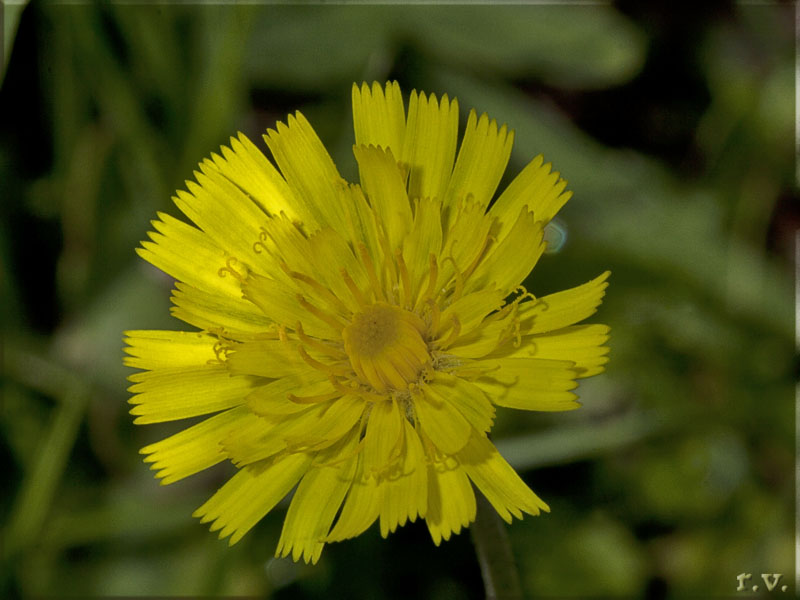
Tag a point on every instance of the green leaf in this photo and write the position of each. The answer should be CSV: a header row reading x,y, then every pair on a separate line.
x,y
32,503
12,12
310,48
575,442
570,46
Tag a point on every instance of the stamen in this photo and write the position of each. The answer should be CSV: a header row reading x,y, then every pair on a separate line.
x,y
315,364
459,280
404,278
368,396
282,336
221,347
318,399
454,333
523,293
228,268
435,314
225,336
432,454
320,314
499,315
407,407
351,285
473,371
479,256
397,449
388,264
316,285
358,391
318,345
377,290
344,390
217,330
510,310
505,334
433,276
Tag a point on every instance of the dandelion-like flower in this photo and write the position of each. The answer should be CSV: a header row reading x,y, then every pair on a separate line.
x,y
355,339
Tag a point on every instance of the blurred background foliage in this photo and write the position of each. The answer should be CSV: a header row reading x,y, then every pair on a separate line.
x,y
675,132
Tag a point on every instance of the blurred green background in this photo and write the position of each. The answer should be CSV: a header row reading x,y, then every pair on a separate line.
x,y
676,134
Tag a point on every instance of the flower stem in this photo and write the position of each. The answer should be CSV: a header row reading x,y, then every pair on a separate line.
x,y
499,571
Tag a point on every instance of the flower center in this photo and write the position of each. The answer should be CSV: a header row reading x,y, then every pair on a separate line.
x,y
385,346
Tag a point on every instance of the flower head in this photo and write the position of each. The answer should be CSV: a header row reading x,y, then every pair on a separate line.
x,y
355,339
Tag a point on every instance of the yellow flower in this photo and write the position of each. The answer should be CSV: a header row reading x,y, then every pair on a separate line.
x,y
356,338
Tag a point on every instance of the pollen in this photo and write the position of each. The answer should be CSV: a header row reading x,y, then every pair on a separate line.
x,y
385,346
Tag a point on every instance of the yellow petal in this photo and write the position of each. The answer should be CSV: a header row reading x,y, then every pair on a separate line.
x,y
535,187
319,429
251,494
258,438
282,306
482,340
237,317
384,184
424,239
481,161
430,144
466,238
451,501
468,399
310,172
470,310
247,167
290,243
379,117
498,481
361,507
165,349
183,392
441,421
317,500
314,427
331,254
563,308
315,260
269,358
273,399
404,493
509,262
529,383
194,449
581,344
187,254
365,220
227,215
382,441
